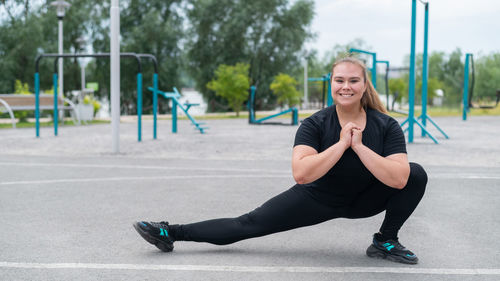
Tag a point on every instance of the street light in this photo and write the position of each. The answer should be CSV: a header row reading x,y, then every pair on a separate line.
x,y
61,10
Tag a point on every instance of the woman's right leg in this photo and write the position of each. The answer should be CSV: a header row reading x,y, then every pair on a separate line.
x,y
291,209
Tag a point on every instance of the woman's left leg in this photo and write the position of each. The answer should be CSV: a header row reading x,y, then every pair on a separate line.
x,y
399,204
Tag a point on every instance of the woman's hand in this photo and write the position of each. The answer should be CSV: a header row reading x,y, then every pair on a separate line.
x,y
346,135
357,136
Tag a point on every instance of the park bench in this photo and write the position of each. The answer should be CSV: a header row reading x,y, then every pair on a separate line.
x,y
13,102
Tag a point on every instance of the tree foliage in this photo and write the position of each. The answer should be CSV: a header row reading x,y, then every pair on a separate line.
x,y
231,83
266,34
284,87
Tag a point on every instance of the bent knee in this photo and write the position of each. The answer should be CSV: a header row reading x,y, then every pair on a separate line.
x,y
418,176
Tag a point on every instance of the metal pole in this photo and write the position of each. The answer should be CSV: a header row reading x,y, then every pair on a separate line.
x,y
37,104
60,50
115,74
155,103
139,106
412,77
374,70
466,88
306,100
425,72
54,77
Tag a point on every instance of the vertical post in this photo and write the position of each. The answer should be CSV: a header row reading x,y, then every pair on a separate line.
x,y
60,49
174,115
37,104
425,72
139,106
411,94
115,74
329,93
306,99
55,103
466,88
374,70
155,102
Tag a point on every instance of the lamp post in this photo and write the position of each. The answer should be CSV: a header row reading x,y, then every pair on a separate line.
x,y
61,10
81,46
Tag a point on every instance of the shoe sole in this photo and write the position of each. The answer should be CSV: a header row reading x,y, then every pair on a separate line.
x,y
373,252
165,247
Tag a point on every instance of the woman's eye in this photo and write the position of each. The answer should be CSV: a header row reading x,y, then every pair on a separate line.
x,y
339,81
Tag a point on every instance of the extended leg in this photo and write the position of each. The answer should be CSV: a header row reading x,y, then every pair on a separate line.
x,y
291,209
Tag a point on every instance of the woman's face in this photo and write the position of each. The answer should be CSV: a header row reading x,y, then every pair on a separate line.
x,y
348,84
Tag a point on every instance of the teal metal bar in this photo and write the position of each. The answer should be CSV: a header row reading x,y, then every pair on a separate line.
x,y
139,106
329,98
54,79
425,72
155,102
411,94
37,104
374,64
174,115
466,88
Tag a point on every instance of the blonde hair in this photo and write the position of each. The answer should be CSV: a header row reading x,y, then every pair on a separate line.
x,y
370,97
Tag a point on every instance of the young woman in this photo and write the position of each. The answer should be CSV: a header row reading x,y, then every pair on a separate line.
x,y
349,161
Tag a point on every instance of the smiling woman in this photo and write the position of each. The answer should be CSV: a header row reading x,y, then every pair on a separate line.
x,y
349,161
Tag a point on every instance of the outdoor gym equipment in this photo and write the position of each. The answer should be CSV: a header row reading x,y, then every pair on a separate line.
x,y
411,120
326,81
467,98
251,112
55,79
175,103
374,64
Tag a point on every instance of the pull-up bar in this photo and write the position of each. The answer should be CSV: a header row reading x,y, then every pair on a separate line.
x,y
98,55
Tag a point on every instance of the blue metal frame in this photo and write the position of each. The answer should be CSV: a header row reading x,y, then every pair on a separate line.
x,y
251,111
56,121
425,77
55,78
374,64
175,103
466,88
411,120
326,77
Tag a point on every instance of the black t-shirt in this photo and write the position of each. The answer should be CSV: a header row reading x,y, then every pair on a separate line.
x,y
340,185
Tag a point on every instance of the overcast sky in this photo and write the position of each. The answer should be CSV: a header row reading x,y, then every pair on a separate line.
x,y
385,25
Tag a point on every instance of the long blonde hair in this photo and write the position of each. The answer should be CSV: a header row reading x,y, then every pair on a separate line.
x,y
370,97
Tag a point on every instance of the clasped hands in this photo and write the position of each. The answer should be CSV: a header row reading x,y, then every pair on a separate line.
x,y
351,136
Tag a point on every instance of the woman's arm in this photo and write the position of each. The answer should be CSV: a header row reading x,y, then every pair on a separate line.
x,y
308,165
392,170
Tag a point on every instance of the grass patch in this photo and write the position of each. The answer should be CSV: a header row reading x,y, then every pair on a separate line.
x,y
49,124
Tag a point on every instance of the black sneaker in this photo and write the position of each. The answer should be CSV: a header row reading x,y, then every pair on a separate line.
x,y
391,250
156,233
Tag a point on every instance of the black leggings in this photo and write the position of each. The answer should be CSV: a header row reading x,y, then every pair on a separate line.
x,y
297,208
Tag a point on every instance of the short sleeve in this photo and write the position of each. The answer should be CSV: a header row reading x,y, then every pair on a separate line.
x,y
308,134
394,139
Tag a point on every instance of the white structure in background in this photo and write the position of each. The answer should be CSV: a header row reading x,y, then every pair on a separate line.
x,y
192,96
438,99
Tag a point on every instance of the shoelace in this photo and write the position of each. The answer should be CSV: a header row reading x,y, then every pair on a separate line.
x,y
161,224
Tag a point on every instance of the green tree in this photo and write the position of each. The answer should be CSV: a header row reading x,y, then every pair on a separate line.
x,y
398,87
231,83
487,78
284,87
147,26
266,34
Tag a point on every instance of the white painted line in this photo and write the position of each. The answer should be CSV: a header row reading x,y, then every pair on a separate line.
x,y
462,176
34,182
256,269
138,167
